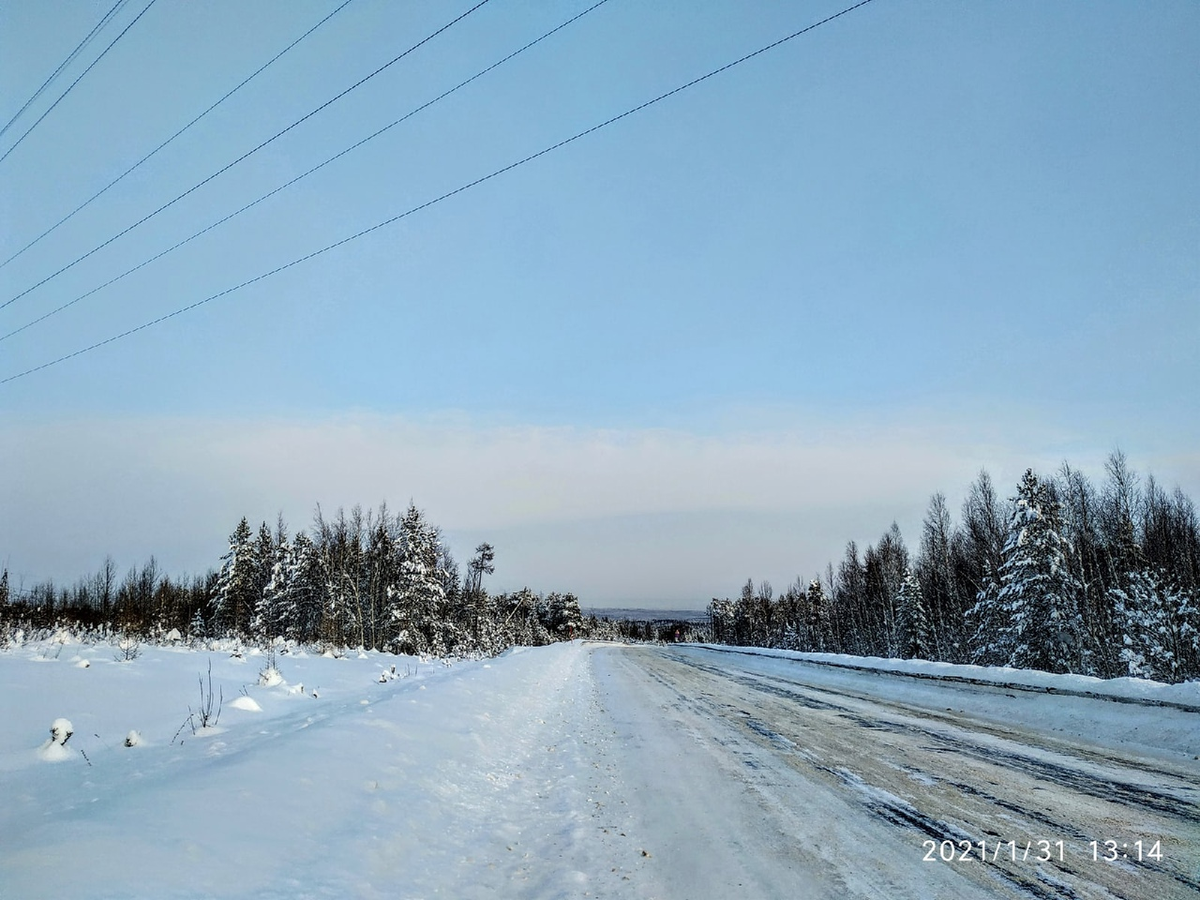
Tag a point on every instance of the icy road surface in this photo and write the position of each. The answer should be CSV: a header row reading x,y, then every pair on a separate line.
x,y
580,770
782,778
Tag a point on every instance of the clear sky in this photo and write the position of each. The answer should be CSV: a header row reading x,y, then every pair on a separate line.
x,y
716,339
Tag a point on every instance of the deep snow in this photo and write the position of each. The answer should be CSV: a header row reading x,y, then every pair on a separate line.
x,y
564,771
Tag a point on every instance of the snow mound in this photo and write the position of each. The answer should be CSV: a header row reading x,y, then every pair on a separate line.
x,y
52,752
247,703
270,677
83,664
133,739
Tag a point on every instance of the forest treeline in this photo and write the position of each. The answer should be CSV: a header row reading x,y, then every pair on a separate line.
x,y
1062,576
363,579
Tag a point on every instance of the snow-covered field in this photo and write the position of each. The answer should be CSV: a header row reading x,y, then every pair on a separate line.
x,y
581,770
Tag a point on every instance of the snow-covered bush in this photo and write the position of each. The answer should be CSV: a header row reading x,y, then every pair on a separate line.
x,y
269,675
61,731
55,750
128,648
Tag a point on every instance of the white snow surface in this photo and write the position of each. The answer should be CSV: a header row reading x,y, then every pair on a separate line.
x,y
576,770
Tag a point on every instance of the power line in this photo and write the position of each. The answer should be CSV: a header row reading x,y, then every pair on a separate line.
x,y
466,187
62,65
245,155
243,83
304,175
103,53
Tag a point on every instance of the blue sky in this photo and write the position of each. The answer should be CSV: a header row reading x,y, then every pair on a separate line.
x,y
716,339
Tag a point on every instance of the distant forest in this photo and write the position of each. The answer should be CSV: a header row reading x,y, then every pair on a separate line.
x,y
1063,576
364,579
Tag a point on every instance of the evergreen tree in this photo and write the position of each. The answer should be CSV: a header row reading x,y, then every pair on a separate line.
x,y
306,583
818,617
416,599
850,598
1159,629
236,591
720,618
1038,623
914,639
984,624
275,611
483,563
563,617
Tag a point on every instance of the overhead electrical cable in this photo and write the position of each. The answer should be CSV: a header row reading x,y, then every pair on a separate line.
x,y
245,155
71,86
229,94
303,175
62,65
428,203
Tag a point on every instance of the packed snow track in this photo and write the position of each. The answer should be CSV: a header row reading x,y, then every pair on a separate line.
x,y
797,779
581,770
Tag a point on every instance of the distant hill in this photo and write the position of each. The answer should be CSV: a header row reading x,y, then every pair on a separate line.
x,y
638,614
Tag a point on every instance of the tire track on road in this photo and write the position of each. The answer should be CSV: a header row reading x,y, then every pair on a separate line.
x,y
833,733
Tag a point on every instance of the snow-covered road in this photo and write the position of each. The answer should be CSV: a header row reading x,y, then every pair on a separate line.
x,y
582,770
779,778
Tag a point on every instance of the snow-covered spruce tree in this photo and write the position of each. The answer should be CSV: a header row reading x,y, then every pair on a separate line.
x,y
417,598
381,559
234,594
197,629
274,611
1037,619
264,554
988,643
306,581
5,628
818,617
1159,627
1187,607
720,619
913,618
